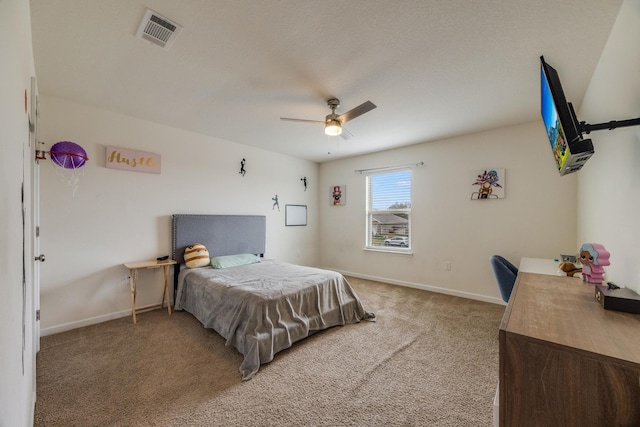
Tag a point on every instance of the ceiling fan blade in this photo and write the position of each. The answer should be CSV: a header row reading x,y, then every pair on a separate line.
x,y
357,111
301,120
345,134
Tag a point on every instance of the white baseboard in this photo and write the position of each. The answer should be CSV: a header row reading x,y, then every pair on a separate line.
x,y
85,322
424,287
33,407
496,407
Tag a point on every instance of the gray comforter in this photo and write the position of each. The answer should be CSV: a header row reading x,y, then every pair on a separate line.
x,y
264,308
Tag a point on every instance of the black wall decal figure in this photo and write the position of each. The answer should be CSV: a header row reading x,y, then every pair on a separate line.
x,y
275,202
242,169
304,181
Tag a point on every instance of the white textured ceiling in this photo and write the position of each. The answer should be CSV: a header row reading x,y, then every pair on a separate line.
x,y
434,68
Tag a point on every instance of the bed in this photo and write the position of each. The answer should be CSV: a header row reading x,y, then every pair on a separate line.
x,y
263,306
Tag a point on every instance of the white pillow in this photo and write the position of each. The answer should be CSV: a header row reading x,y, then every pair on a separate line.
x,y
234,260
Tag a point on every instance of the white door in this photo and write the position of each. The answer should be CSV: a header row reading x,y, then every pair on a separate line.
x,y
35,212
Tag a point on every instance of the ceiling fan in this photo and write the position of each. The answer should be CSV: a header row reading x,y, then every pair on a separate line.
x,y
333,122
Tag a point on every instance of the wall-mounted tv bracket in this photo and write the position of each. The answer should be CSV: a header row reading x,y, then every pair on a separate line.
x,y
584,127
587,128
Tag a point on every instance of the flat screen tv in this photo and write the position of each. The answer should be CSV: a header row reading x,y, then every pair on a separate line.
x,y
571,151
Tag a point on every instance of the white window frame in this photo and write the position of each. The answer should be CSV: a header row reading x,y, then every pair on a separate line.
x,y
376,243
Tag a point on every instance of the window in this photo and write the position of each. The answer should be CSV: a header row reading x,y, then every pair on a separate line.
x,y
389,210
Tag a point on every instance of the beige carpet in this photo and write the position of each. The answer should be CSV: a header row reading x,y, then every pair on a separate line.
x,y
429,360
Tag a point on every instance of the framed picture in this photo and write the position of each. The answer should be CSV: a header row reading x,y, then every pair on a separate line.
x,y
132,160
488,184
295,215
338,195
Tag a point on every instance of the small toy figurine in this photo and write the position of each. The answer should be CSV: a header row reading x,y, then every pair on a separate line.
x,y
593,257
569,268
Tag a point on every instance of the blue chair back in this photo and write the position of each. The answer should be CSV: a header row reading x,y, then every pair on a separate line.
x,y
505,273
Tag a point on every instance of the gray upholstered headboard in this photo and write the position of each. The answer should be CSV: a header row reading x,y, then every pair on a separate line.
x,y
220,234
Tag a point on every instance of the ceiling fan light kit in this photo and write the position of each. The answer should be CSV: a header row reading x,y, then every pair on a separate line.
x,y
333,122
333,127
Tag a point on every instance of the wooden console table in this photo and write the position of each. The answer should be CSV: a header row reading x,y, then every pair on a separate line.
x,y
564,360
133,282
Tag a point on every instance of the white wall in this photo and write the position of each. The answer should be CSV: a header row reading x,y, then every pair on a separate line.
x,y
120,216
537,218
609,184
17,361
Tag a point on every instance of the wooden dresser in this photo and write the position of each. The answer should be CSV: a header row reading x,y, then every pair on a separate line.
x,y
564,360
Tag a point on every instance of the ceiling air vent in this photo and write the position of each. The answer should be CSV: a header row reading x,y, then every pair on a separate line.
x,y
158,30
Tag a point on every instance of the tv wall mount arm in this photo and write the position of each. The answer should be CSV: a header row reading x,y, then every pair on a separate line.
x,y
584,127
587,128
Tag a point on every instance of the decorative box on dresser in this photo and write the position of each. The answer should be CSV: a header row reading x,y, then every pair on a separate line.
x,y
564,360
